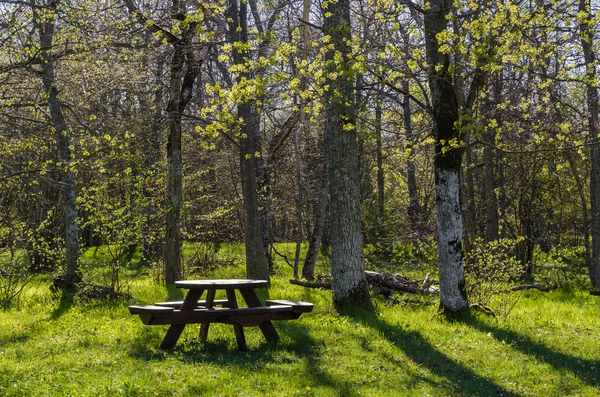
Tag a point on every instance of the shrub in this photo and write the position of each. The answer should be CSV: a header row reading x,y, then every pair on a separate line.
x,y
490,269
14,276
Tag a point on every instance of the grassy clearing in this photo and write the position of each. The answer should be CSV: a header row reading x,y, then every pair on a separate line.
x,y
56,346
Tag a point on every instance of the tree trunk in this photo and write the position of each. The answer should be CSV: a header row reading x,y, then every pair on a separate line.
x,y
489,186
415,212
257,266
492,228
45,26
468,201
584,207
349,285
152,245
308,270
186,62
172,249
448,157
299,202
587,36
380,180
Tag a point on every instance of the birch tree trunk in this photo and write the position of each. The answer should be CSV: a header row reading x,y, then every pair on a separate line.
x,y
448,157
349,285
586,33
45,26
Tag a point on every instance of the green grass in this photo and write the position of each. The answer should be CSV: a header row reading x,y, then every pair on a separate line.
x,y
57,346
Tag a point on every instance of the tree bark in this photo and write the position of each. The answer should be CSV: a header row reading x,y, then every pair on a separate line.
x,y
172,250
257,266
186,62
308,270
350,288
380,178
586,34
448,157
468,201
45,25
299,202
492,227
415,212
489,186
584,207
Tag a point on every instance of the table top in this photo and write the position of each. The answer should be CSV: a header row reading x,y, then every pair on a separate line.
x,y
221,284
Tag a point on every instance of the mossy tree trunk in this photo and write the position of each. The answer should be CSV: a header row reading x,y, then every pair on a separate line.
x,y
349,285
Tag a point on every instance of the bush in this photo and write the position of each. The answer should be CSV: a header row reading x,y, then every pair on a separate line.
x,y
490,270
14,276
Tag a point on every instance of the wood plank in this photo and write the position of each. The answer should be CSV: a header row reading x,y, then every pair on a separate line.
x,y
150,309
266,327
221,284
175,330
240,338
226,316
177,304
210,298
299,307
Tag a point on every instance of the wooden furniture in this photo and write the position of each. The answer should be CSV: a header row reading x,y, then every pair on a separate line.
x,y
192,310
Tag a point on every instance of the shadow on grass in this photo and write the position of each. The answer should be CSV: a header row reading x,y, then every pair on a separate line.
x,y
584,369
309,348
301,346
65,303
422,353
14,337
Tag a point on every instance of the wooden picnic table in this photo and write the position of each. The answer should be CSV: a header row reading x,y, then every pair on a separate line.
x,y
192,310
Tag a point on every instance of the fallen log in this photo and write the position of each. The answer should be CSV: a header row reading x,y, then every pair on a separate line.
x,y
399,283
383,283
595,292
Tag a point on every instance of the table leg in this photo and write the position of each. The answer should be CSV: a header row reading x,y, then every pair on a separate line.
x,y
238,329
267,328
210,298
189,303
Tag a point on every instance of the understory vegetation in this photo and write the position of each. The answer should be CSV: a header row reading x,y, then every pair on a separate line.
x,y
56,344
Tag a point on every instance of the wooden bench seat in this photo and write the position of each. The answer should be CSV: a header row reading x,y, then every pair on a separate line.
x,y
177,304
153,309
299,307
245,316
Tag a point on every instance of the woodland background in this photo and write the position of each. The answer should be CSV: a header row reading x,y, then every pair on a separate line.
x,y
155,124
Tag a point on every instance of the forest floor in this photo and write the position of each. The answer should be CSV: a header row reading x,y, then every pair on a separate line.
x,y
53,345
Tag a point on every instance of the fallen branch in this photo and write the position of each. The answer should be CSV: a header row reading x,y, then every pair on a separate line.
x,y
312,284
539,287
595,293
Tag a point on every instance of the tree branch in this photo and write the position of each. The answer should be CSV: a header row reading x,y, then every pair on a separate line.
x,y
147,23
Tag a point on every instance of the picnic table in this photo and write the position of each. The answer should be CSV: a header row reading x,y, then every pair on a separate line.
x,y
193,310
